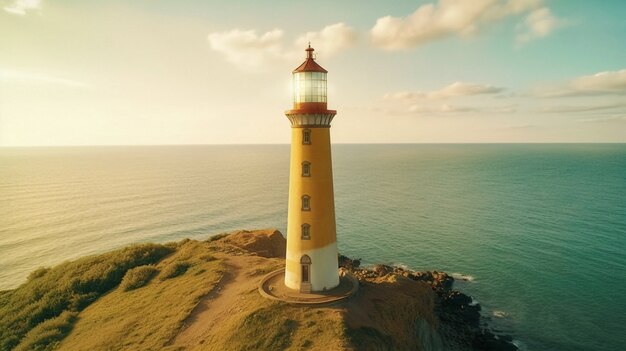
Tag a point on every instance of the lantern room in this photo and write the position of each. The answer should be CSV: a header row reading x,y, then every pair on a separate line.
x,y
309,87
309,94
309,82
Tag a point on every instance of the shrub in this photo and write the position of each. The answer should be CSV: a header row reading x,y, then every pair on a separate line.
x,y
137,277
217,237
68,287
175,269
38,273
49,333
207,258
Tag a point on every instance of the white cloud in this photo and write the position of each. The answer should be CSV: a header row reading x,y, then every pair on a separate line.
x,y
21,7
438,109
583,108
603,83
538,24
330,40
437,102
456,89
23,77
246,49
450,109
463,89
455,17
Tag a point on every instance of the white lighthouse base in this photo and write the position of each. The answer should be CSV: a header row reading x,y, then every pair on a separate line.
x,y
323,271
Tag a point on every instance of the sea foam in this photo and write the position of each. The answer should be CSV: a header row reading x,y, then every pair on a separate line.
x,y
463,277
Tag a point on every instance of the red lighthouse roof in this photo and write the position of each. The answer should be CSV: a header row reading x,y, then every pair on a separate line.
x,y
309,65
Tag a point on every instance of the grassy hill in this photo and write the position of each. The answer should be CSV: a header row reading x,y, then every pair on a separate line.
x,y
202,295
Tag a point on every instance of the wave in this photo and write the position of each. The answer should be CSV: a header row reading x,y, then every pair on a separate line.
x,y
463,277
499,314
403,266
520,345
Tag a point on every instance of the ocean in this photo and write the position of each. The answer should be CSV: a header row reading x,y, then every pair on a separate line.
x,y
535,233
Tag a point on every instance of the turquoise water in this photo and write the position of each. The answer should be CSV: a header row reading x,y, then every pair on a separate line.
x,y
540,230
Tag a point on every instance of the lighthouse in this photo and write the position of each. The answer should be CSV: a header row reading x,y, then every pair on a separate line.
x,y
311,259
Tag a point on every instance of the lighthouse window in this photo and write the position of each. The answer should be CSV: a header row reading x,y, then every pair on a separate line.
x,y
306,203
306,169
309,87
306,136
306,231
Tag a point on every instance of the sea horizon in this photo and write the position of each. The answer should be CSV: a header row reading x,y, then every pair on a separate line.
x,y
334,143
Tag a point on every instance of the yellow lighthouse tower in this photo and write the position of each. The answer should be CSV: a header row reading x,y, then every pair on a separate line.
x,y
311,259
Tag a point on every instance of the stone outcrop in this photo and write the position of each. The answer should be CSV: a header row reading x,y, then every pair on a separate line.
x,y
459,319
265,243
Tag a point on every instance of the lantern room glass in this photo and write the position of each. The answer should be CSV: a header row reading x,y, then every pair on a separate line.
x,y
309,87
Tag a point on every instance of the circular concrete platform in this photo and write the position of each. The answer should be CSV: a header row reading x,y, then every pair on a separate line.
x,y
272,286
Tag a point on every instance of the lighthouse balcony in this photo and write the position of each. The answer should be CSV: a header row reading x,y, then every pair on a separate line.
x,y
310,119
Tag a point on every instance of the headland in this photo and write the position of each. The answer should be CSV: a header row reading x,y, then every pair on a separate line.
x,y
203,295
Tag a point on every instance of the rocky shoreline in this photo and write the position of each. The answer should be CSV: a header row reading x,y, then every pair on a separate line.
x,y
460,319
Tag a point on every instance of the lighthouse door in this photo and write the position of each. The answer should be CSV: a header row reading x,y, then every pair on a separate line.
x,y
305,279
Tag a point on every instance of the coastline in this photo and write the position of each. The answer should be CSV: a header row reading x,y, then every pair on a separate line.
x,y
462,325
202,295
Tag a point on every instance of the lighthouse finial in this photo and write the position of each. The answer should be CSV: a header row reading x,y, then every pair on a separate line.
x,y
309,52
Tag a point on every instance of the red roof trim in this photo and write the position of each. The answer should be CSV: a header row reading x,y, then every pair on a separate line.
x,y
309,65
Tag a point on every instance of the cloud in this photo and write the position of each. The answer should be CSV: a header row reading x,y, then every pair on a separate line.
x,y
330,40
520,126
582,108
457,18
615,118
23,77
21,7
438,109
247,49
454,109
463,89
456,89
603,83
538,24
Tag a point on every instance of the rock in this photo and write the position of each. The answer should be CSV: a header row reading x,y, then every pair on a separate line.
x,y
265,243
382,270
456,299
487,341
348,263
460,326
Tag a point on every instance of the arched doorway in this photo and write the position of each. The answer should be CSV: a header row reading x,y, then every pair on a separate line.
x,y
305,278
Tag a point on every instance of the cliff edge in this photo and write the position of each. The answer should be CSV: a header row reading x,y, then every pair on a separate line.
x,y
202,295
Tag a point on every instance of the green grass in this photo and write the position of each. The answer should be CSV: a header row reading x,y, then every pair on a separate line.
x,y
279,326
137,277
68,287
148,318
175,269
217,237
48,334
266,329
113,302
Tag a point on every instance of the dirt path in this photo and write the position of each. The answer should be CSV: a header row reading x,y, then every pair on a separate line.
x,y
226,301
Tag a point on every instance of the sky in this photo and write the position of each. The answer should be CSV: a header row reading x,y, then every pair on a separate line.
x,y
146,72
